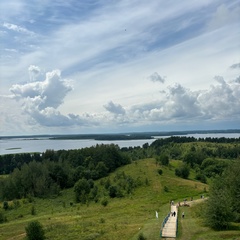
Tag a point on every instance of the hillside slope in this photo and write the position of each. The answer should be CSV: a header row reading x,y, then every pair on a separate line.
x,y
122,218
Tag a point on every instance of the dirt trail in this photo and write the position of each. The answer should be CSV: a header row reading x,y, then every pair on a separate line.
x,y
20,236
190,203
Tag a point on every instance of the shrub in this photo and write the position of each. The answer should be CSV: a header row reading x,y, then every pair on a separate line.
x,y
182,171
165,188
160,171
201,177
33,210
141,237
2,217
104,202
5,205
34,231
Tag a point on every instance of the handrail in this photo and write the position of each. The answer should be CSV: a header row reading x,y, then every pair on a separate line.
x,y
163,223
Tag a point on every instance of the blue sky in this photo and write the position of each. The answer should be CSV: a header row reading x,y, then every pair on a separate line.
x,y
119,66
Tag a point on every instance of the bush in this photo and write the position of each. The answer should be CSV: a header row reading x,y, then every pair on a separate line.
x,y
201,177
5,205
165,189
182,171
2,217
33,210
104,202
34,231
141,237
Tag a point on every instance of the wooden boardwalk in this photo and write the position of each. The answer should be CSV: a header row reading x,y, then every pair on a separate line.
x,y
169,229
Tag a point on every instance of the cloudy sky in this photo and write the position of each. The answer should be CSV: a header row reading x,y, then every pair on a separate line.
x,y
102,66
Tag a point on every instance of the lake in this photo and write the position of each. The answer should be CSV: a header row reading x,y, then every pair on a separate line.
x,y
21,145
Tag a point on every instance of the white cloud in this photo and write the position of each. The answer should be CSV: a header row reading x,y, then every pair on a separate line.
x,y
235,66
48,93
224,16
41,99
110,57
114,108
17,28
34,72
155,77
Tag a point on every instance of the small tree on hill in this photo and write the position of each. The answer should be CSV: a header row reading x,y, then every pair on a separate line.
x,y
82,189
183,171
164,159
34,231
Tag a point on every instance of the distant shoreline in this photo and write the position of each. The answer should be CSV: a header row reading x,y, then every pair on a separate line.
x,y
119,136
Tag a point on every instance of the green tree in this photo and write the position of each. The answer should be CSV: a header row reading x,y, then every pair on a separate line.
x,y
182,171
219,210
34,231
164,159
82,189
2,217
233,186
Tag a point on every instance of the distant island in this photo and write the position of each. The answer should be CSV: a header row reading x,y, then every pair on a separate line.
x,y
121,136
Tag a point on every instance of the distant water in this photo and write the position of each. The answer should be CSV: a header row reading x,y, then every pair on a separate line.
x,y
21,145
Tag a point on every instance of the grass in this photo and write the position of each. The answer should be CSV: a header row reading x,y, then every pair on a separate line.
x,y
193,226
123,218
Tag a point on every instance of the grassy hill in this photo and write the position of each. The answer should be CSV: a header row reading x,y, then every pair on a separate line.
x,y
122,218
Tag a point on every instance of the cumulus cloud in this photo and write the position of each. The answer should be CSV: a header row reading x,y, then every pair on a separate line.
x,y
40,99
234,66
48,93
176,104
179,104
114,108
155,77
34,72
237,80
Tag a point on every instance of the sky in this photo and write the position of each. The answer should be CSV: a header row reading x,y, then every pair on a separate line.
x,y
109,66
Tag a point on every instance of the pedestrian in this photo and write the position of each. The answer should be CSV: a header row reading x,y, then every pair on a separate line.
x,y
174,213
182,214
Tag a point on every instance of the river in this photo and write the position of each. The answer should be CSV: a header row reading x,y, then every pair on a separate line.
x,y
24,145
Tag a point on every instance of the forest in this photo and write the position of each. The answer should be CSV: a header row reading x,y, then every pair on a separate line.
x,y
45,174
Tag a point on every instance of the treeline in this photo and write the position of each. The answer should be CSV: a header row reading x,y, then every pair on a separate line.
x,y
48,173
182,139
223,205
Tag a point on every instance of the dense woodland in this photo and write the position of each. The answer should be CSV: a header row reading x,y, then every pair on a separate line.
x,y
46,174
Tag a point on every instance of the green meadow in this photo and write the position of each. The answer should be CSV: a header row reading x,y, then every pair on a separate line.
x,y
122,218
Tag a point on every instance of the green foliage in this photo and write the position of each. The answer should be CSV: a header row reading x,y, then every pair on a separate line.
x,y
141,237
33,210
82,189
223,204
165,189
182,171
34,231
201,177
5,205
194,157
45,175
104,202
219,212
213,167
2,217
163,159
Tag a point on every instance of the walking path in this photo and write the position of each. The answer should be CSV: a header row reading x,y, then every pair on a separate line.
x,y
170,227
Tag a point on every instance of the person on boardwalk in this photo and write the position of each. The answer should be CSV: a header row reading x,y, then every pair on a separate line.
x,y
182,214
